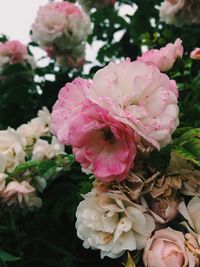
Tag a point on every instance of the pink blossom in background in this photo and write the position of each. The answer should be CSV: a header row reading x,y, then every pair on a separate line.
x,y
163,58
139,96
102,144
69,102
61,29
195,54
167,248
14,51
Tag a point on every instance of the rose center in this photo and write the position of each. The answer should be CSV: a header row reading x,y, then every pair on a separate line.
x,y
108,136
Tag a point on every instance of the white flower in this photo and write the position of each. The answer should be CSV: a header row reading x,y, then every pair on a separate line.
x,y
36,128
112,224
42,149
192,214
12,146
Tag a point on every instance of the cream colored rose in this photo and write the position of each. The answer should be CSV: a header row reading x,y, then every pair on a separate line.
x,y
42,149
112,224
167,248
3,177
12,146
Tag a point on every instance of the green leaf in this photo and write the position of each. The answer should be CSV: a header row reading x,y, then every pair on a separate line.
x,y
7,257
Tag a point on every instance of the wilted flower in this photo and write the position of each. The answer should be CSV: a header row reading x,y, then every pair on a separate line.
x,y
12,146
112,224
139,96
20,193
167,248
163,58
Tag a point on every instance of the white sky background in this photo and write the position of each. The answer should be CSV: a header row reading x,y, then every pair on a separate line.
x,y
16,17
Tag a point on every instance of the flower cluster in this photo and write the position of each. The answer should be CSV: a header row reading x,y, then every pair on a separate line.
x,y
180,12
61,29
124,106
12,52
18,146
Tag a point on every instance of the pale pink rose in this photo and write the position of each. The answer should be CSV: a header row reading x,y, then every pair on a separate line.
x,y
16,192
195,54
139,96
166,249
163,58
69,102
102,144
60,27
12,52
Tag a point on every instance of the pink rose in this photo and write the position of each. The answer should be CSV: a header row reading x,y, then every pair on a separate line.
x,y
195,54
167,248
102,144
69,102
12,52
163,58
140,96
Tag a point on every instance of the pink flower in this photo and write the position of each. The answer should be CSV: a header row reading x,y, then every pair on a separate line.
x,y
12,52
139,96
16,192
167,248
61,29
195,54
69,102
102,144
163,58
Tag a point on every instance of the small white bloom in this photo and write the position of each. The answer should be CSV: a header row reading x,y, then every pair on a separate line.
x,y
12,146
37,127
42,149
112,224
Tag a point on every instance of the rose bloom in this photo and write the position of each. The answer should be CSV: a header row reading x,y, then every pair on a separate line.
x,y
195,54
60,27
102,144
163,58
12,52
12,146
139,96
112,224
21,193
192,214
167,248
